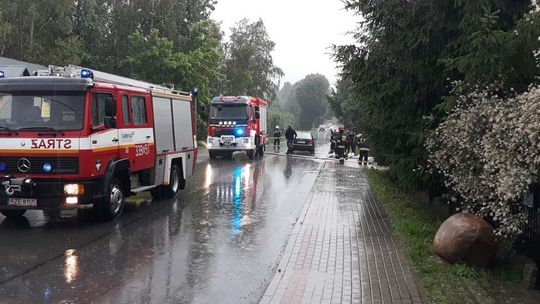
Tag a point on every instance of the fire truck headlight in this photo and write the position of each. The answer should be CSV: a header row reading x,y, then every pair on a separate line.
x,y
47,167
220,123
73,189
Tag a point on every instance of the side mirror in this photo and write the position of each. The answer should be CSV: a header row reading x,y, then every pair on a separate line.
x,y
110,107
257,115
110,122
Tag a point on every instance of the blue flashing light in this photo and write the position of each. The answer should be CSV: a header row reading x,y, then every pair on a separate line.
x,y
2,74
3,167
86,73
47,167
239,132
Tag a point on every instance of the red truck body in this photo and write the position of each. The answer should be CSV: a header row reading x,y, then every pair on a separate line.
x,y
82,139
237,123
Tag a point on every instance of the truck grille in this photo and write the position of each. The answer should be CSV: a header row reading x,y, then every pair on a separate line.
x,y
224,131
59,165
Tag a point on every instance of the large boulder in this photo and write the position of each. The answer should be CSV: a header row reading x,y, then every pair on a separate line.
x,y
468,238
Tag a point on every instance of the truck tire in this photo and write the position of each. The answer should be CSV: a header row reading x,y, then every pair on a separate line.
x,y
113,204
250,153
173,188
13,214
212,154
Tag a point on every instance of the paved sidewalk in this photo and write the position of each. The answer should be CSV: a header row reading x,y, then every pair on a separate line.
x,y
342,249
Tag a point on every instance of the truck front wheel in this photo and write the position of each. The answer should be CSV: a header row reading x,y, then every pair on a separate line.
x,y
13,214
113,203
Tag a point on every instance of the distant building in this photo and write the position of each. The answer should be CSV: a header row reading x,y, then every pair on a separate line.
x,y
14,68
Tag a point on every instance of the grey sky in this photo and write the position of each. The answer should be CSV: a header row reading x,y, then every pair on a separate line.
x,y
303,31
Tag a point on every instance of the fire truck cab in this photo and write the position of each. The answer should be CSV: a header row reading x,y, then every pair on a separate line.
x,y
73,138
236,123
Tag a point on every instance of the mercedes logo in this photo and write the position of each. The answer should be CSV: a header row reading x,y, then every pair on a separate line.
x,y
23,165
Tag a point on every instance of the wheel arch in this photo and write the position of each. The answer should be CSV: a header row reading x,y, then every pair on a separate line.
x,y
179,162
117,169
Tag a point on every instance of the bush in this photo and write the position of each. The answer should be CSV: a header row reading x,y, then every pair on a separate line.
x,y
488,152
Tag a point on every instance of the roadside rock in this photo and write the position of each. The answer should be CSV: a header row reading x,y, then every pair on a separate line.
x,y
468,238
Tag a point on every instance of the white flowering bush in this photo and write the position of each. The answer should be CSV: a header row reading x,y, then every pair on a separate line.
x,y
488,152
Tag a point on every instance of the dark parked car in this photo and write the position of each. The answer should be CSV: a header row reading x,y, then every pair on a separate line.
x,y
304,142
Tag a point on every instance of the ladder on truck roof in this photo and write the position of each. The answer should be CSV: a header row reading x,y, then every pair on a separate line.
x,y
98,76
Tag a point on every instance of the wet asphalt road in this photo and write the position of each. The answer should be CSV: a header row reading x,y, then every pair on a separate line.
x,y
219,242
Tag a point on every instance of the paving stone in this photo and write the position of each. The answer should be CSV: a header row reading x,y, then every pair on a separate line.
x,y
342,249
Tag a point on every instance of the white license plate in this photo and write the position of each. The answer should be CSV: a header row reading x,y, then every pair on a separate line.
x,y
301,142
22,202
227,140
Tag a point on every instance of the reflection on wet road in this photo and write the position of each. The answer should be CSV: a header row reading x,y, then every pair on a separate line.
x,y
218,243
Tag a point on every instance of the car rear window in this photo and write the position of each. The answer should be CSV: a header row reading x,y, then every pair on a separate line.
x,y
303,135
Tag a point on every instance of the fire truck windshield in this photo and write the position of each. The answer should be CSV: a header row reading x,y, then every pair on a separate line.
x,y
231,112
50,111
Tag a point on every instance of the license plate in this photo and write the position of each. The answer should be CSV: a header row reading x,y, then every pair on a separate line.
x,y
301,142
227,140
22,202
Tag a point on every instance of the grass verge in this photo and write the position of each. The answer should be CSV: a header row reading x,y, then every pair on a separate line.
x,y
415,222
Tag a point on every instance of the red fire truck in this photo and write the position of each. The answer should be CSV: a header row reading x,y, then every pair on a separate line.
x,y
73,138
236,124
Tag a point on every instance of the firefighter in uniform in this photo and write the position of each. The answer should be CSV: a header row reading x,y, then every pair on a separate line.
x,y
364,150
290,135
333,136
350,143
277,138
341,144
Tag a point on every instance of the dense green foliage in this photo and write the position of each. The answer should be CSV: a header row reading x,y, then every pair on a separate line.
x,y
415,221
170,42
249,67
307,100
408,56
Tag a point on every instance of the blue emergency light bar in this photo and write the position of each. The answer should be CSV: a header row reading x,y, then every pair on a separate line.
x,y
239,132
86,73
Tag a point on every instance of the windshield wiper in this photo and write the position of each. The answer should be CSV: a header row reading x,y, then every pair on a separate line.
x,y
47,129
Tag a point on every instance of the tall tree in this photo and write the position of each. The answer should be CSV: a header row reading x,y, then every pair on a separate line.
x,y
41,31
406,54
249,66
287,99
311,95
91,24
5,31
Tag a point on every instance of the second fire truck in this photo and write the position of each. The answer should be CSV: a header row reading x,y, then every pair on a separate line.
x,y
237,123
74,138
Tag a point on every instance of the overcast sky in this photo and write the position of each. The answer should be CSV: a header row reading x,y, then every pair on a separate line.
x,y
303,31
